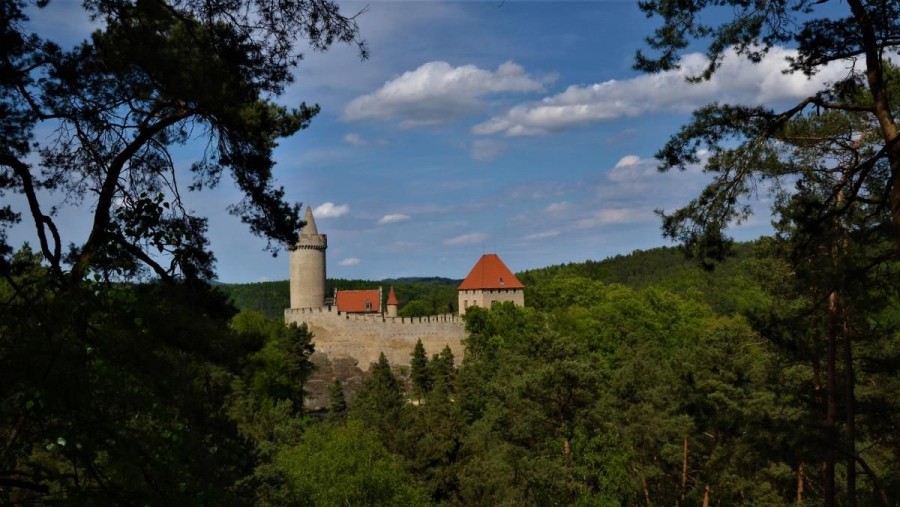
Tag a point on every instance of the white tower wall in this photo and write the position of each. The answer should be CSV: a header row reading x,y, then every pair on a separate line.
x,y
308,266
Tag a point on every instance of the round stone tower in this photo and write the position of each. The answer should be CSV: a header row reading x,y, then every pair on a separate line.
x,y
308,266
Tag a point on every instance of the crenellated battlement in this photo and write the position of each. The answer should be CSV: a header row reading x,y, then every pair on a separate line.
x,y
365,336
331,312
318,242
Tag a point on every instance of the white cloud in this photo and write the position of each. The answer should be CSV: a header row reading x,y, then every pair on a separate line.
x,y
349,261
557,207
736,81
542,235
393,218
331,210
615,216
466,239
632,169
437,92
485,150
628,161
355,139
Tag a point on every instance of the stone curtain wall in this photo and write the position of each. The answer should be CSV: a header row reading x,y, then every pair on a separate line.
x,y
365,336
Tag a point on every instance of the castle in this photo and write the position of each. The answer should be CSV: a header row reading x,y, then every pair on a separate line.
x,y
353,325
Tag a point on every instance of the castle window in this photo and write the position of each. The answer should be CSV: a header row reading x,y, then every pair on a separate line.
x,y
368,306
501,281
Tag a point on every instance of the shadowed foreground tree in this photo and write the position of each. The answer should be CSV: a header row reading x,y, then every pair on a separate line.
x,y
113,394
832,162
155,74
744,140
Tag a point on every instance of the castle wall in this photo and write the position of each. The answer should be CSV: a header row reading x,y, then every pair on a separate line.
x,y
364,336
487,297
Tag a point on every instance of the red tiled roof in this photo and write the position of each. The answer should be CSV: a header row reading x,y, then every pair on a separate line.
x,y
354,301
490,273
392,299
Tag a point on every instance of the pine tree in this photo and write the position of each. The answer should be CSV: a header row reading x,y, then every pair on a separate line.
x,y
337,403
380,404
442,371
419,374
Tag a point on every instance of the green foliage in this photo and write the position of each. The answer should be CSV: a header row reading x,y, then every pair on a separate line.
x,y
345,464
419,373
380,403
269,298
838,221
598,404
337,402
280,368
442,371
729,289
114,394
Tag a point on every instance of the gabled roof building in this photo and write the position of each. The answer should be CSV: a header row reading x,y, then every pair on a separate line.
x,y
358,301
489,282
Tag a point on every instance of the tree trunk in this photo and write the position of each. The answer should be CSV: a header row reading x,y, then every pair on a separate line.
x,y
684,471
646,490
850,404
828,489
800,484
880,104
707,494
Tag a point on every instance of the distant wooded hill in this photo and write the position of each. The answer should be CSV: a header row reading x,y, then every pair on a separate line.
x,y
728,289
416,295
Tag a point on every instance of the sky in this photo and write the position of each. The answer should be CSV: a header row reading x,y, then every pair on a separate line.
x,y
512,127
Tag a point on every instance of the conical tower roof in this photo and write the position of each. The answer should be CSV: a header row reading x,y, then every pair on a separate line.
x,y
310,228
392,298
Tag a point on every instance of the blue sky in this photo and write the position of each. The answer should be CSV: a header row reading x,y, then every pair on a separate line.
x,y
510,127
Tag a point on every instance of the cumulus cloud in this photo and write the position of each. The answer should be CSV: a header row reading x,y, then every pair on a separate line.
x,y
736,81
437,92
331,210
628,161
485,150
393,218
466,239
349,261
